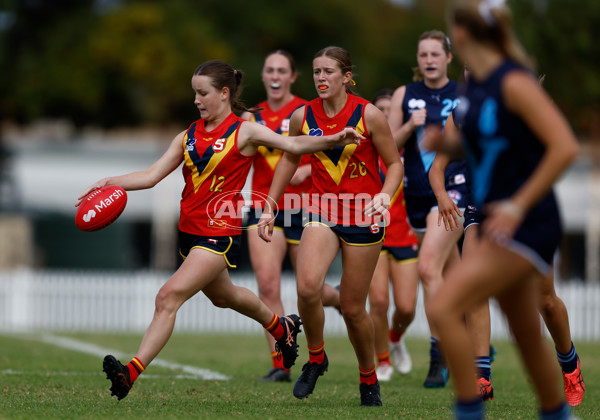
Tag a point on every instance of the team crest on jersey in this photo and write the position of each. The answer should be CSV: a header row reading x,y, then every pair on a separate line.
x,y
454,196
219,145
315,132
416,103
331,126
189,144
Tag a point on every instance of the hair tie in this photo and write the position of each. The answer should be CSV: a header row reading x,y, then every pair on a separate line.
x,y
235,72
485,9
352,82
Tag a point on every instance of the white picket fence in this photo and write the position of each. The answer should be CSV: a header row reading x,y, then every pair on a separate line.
x,y
119,302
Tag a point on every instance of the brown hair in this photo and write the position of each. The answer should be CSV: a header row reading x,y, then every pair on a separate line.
x,y
490,24
438,36
287,55
342,57
223,75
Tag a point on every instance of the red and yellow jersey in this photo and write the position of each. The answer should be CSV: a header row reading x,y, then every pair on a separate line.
x,y
214,171
345,178
398,233
267,158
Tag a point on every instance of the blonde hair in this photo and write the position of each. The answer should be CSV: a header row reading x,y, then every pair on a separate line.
x,y
438,36
490,22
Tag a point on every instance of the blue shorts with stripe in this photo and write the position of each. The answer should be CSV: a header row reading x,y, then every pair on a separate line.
x,y
351,235
227,246
289,221
401,254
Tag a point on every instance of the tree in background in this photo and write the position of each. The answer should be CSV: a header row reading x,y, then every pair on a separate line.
x,y
127,62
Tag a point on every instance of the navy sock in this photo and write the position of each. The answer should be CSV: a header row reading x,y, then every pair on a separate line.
x,y
483,366
434,350
561,413
568,361
470,410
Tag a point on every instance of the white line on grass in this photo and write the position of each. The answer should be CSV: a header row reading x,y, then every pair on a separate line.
x,y
88,348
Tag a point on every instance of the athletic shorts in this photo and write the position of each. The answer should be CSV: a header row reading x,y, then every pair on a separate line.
x,y
418,207
227,246
537,241
472,216
289,221
351,235
401,254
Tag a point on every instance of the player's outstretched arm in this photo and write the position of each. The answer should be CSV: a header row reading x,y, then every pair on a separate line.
x,y
147,178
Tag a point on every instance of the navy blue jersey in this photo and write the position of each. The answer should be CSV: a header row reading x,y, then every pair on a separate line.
x,y
417,159
503,153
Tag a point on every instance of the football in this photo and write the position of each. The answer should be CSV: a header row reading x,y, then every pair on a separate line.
x,y
100,208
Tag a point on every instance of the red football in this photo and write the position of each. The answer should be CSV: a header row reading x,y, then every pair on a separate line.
x,y
100,208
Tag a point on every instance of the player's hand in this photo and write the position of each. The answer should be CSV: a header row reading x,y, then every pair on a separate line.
x,y
266,224
96,186
448,213
502,221
379,206
418,118
347,136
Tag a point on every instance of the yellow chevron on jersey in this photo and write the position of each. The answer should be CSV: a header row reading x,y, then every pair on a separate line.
x,y
336,170
272,156
327,157
202,167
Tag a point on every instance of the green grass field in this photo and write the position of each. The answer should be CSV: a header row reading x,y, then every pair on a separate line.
x,y
42,380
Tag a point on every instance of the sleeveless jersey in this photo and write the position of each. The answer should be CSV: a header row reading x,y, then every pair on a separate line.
x,y
417,159
267,158
398,233
502,151
345,178
215,172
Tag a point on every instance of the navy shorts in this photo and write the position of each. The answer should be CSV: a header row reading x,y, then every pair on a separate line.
x,y
402,254
418,207
472,216
227,246
351,235
289,221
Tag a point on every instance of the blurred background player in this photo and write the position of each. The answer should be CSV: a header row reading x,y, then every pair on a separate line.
x,y
518,144
429,100
278,76
397,263
217,152
346,204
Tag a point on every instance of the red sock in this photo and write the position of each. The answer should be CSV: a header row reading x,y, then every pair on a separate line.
x,y
278,361
274,327
395,335
368,377
383,358
135,368
316,354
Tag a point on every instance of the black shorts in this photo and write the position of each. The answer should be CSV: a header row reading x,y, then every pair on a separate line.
x,y
418,207
351,235
472,216
289,221
227,246
402,254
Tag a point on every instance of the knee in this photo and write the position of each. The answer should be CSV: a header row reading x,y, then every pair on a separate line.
x,y
427,271
166,301
547,304
352,313
269,290
379,305
309,291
